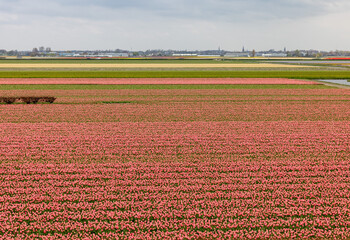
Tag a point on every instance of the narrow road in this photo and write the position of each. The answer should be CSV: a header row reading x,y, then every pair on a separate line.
x,y
334,85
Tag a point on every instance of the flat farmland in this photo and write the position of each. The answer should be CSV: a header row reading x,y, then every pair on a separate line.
x,y
157,81
148,65
307,73
174,105
170,161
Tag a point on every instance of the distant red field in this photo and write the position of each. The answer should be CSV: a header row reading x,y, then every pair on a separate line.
x,y
113,81
338,58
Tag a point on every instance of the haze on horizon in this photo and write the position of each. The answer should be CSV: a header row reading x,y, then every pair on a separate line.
x,y
175,24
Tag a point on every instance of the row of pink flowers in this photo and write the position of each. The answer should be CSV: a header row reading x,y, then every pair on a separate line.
x,y
155,81
252,93
177,111
69,142
185,95
233,96
185,199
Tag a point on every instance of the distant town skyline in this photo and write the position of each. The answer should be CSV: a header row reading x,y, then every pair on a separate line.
x,y
48,52
175,24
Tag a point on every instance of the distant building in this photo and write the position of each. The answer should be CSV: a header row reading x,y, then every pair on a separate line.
x,y
111,55
237,54
185,54
92,55
274,55
65,54
209,55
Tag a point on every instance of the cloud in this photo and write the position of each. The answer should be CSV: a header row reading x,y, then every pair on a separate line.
x,y
190,9
178,24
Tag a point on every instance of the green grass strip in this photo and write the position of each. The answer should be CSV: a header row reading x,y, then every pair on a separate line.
x,y
160,86
179,74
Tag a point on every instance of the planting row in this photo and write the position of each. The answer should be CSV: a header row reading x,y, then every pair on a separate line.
x,y
142,81
182,105
270,73
185,95
95,91
27,99
110,142
199,95
186,111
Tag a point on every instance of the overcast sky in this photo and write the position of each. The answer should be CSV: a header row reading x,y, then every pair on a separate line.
x,y
175,24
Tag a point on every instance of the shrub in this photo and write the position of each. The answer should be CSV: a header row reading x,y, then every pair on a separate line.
x,y
47,99
7,100
29,100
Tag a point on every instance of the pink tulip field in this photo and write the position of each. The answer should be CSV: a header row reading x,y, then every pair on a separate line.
x,y
155,81
176,164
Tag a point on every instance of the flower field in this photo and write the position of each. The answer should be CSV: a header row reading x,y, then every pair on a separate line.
x,y
146,65
155,81
176,164
177,111
293,73
203,199
111,142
